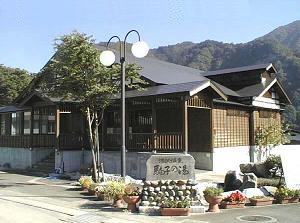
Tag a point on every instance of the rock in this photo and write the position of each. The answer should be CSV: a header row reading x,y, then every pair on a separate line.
x,y
181,182
176,198
154,183
187,192
247,167
153,203
146,209
151,199
163,188
176,188
171,198
188,187
251,192
157,189
260,170
145,203
160,194
145,192
170,187
144,198
198,209
166,194
147,183
231,181
182,187
172,193
249,181
151,189
179,193
153,194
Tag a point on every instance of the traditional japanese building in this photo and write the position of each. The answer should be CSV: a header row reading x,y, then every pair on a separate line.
x,y
211,115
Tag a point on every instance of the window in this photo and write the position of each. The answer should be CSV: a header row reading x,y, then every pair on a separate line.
x,y
3,123
43,121
16,123
27,123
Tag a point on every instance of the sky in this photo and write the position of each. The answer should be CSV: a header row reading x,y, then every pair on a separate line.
x,y
28,27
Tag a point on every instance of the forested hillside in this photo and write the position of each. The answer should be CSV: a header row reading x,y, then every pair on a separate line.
x,y
281,47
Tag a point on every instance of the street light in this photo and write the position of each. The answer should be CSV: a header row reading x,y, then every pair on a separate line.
x,y
107,58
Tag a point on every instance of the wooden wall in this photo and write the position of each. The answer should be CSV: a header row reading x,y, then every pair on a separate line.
x,y
230,127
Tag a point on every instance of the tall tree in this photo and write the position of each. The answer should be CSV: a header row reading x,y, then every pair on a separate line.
x,y
12,82
80,76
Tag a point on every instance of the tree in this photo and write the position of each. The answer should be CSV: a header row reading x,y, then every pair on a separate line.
x,y
268,137
290,115
12,83
80,76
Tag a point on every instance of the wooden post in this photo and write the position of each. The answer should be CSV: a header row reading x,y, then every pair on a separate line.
x,y
185,125
154,123
251,135
57,126
31,127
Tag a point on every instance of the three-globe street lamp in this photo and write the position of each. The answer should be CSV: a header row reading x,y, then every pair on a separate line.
x,y
107,58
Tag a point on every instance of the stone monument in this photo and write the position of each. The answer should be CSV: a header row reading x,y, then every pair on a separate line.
x,y
170,166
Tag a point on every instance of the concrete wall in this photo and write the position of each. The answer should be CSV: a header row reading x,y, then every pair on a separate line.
x,y
75,160
21,158
203,160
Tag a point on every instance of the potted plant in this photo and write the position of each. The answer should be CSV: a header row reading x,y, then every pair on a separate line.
x,y
85,182
294,196
234,200
115,190
131,196
282,195
213,196
261,200
175,208
92,188
100,192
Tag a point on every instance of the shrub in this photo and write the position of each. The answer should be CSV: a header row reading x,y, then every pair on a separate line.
x,y
274,182
282,193
212,191
85,181
176,204
113,189
235,197
131,190
274,165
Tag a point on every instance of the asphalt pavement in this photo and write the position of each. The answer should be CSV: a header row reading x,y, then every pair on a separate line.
x,y
36,199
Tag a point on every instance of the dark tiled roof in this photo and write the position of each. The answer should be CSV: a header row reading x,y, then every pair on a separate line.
x,y
254,90
166,89
12,108
238,69
226,90
162,72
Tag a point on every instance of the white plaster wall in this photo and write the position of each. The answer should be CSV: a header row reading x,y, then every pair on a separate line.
x,y
229,158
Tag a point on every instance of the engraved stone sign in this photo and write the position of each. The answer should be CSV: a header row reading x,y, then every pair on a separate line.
x,y
166,166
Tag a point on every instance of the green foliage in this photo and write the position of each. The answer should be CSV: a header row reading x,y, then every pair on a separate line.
x,y
12,82
176,204
282,193
282,47
76,74
113,189
85,181
274,165
274,182
270,136
212,191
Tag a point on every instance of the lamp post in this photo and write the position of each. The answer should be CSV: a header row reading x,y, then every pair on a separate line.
x,y
107,58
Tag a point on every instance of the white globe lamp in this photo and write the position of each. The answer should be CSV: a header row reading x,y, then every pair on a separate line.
x,y
107,58
140,49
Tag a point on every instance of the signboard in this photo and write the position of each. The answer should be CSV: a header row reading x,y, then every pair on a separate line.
x,y
291,170
170,167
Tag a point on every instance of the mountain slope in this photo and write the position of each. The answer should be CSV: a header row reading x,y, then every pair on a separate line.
x,y
281,47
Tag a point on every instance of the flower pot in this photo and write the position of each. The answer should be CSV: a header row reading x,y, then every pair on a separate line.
x,y
101,196
91,192
261,201
282,201
175,211
213,203
131,202
294,200
229,205
118,201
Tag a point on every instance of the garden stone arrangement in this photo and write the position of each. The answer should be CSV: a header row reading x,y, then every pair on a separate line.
x,y
156,192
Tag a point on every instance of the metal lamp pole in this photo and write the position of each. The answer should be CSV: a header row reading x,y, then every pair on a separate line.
x,y
122,46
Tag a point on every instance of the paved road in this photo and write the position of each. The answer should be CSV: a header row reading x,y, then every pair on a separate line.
x,y
35,200
12,212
